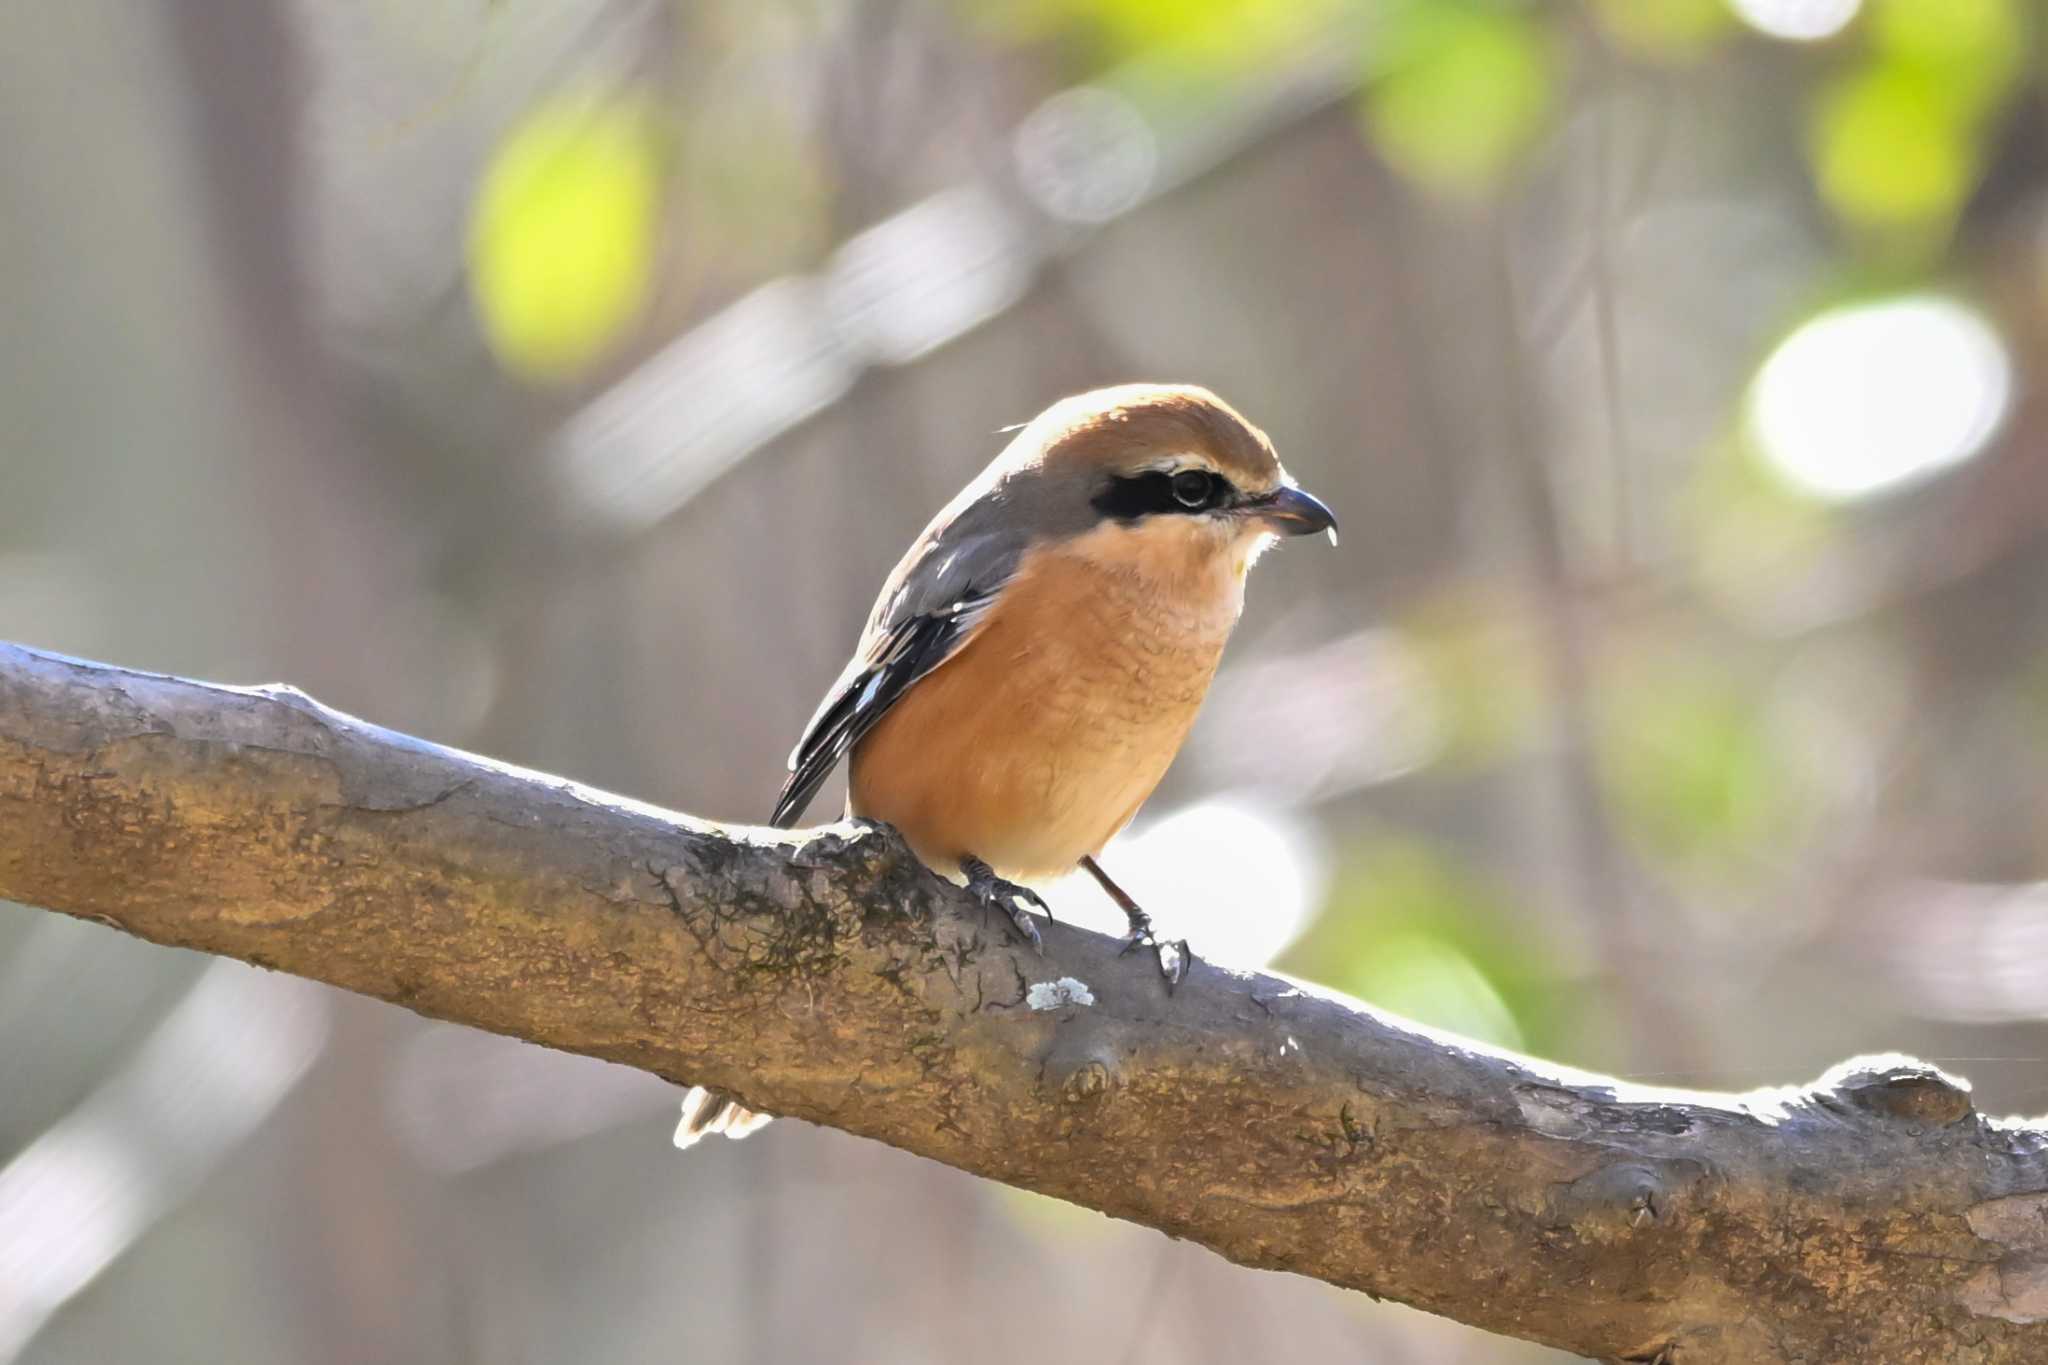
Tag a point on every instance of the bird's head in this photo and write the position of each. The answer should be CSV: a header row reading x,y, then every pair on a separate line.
x,y
1167,471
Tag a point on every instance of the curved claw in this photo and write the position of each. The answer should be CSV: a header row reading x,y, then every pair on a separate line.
x,y
1173,955
1020,920
1016,902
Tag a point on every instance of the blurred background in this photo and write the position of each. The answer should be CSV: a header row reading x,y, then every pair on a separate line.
x,y
559,381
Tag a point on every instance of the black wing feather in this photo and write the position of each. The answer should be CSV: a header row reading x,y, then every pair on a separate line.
x,y
931,606
913,648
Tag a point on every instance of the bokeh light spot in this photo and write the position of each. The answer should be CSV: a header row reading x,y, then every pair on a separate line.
x,y
1866,398
562,235
1800,21
1237,878
1086,155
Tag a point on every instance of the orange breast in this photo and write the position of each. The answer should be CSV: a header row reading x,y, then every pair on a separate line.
x,y
1039,741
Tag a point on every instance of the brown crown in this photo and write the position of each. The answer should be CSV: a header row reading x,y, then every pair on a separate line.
x,y
1130,424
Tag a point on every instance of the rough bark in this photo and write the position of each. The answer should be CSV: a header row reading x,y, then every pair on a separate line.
x,y
824,974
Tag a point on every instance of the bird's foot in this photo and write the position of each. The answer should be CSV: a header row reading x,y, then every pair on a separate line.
x,y
1172,954
1016,902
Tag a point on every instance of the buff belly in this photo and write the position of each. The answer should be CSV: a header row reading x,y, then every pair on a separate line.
x,y
1039,740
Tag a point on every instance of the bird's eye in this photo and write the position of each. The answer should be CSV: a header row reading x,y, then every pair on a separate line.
x,y
1194,487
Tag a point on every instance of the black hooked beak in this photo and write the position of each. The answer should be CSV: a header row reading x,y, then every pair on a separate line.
x,y
1289,511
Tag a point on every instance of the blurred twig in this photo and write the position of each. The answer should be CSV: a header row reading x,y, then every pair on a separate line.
x,y
1605,881
828,976
1607,333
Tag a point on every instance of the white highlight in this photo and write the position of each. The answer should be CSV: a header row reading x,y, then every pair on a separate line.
x,y
83,1192
1870,397
1055,995
738,380
1086,155
1799,21
1237,879
934,271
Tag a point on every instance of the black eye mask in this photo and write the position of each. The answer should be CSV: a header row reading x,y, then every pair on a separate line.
x,y
1131,497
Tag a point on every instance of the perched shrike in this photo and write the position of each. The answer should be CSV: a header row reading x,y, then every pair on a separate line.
x,y
1037,657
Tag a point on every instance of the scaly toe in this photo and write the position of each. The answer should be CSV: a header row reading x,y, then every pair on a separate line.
x,y
1037,901
1015,902
1021,921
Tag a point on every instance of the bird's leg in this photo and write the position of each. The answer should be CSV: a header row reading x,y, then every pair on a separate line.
x,y
1171,954
1015,901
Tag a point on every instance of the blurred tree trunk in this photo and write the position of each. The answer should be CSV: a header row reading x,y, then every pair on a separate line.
x,y
343,559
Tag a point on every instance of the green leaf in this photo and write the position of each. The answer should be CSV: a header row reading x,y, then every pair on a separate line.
x,y
1894,147
1429,979
562,235
1974,47
1691,765
1413,931
1463,88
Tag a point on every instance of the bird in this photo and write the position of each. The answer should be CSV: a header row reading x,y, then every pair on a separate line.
x,y
1036,659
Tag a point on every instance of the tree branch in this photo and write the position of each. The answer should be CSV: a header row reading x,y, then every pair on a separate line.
x,y
1874,1216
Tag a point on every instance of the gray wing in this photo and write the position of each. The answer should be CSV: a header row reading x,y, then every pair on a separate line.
x,y
931,607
